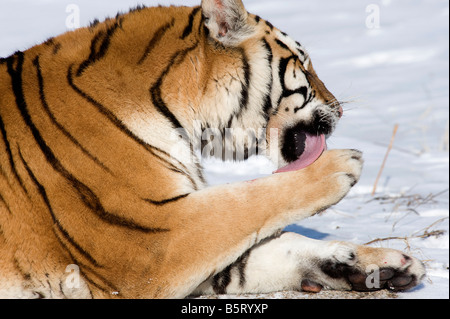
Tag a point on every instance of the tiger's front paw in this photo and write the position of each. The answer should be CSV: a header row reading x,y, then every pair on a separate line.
x,y
336,172
347,164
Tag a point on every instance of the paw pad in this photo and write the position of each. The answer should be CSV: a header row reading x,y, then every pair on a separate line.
x,y
387,278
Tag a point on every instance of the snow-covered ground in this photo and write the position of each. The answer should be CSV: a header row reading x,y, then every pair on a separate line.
x,y
391,70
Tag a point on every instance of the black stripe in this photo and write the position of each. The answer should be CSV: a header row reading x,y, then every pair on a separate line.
x,y
51,43
94,23
85,276
25,274
44,196
19,100
303,90
84,266
241,265
92,55
120,125
98,54
107,39
244,99
282,72
188,29
96,285
111,117
166,201
268,105
87,273
307,100
257,19
159,34
199,170
56,48
284,62
138,8
222,280
245,86
270,25
2,200
8,150
86,195
2,172
300,48
2,61
230,122
155,90
283,45
55,121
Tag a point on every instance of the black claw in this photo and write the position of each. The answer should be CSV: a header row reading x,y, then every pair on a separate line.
x,y
353,178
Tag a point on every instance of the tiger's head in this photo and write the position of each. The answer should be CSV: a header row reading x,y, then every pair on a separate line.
x,y
273,87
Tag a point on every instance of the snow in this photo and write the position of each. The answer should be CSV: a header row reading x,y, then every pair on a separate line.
x,y
396,72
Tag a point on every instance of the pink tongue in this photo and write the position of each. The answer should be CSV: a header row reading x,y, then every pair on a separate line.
x,y
314,147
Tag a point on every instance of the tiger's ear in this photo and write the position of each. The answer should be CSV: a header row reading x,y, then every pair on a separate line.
x,y
226,21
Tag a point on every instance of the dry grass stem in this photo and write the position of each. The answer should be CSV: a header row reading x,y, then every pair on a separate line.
x,y
391,144
422,234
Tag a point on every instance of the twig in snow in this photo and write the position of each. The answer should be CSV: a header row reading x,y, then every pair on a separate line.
x,y
391,144
435,233
410,201
424,233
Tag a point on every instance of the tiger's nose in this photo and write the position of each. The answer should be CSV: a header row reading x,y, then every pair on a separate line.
x,y
341,112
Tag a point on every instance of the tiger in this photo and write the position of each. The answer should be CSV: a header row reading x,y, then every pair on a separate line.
x,y
102,188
